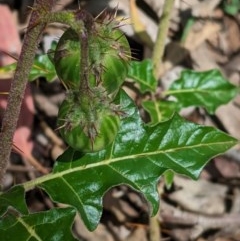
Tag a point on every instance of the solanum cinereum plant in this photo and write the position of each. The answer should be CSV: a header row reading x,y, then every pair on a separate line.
x,y
109,144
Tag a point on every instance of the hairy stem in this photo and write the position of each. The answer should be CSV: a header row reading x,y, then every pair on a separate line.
x,y
84,68
30,44
84,46
159,45
82,23
69,17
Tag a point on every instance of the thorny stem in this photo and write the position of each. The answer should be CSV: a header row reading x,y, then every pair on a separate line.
x,y
81,22
30,44
87,96
159,45
70,18
84,46
84,72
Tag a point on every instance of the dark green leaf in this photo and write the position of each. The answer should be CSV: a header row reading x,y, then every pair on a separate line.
x,y
138,157
53,225
14,198
142,73
208,89
160,110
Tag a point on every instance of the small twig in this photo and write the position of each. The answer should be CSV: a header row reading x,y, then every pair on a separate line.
x,y
31,174
51,134
202,223
35,163
159,45
20,168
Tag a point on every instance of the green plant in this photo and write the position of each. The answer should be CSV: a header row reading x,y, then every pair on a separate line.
x,y
136,154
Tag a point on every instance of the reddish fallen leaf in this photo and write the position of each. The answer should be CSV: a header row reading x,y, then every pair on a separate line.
x,y
10,43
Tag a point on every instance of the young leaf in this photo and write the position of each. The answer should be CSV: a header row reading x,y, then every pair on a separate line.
x,y
142,73
208,89
138,157
14,198
50,225
160,110
7,71
168,178
42,67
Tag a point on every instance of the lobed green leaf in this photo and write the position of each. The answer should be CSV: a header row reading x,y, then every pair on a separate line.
x,y
138,157
160,110
42,67
53,225
142,73
14,198
208,89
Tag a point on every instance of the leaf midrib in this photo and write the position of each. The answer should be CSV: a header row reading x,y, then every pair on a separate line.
x,y
144,83
182,91
29,229
29,185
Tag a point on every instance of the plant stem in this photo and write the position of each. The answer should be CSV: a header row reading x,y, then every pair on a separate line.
x,y
30,44
158,51
159,45
84,46
154,228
